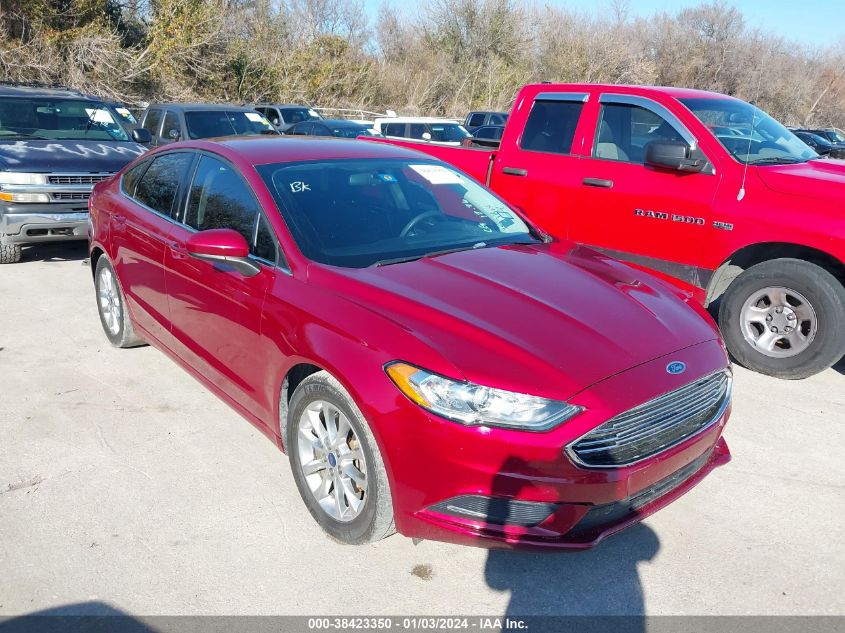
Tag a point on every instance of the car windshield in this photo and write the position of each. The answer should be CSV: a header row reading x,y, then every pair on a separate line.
x,y
58,119
448,132
836,136
358,213
750,135
295,115
211,123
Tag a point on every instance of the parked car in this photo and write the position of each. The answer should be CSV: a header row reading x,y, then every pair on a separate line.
x,y
477,119
425,129
171,122
55,143
821,145
331,127
751,220
284,115
832,134
389,323
485,136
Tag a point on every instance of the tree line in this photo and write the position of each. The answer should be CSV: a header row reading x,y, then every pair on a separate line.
x,y
437,57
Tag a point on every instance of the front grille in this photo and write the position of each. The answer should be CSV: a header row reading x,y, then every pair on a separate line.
x,y
71,196
497,510
599,517
77,180
654,426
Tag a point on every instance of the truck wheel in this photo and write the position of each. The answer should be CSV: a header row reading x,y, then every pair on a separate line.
x,y
336,462
111,305
10,253
784,318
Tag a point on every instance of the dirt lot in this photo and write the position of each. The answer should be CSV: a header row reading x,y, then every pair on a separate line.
x,y
122,481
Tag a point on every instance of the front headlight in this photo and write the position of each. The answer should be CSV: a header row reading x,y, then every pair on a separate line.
x,y
473,405
15,178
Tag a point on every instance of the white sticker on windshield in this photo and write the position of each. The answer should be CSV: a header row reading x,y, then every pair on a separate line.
x,y
98,115
254,116
437,174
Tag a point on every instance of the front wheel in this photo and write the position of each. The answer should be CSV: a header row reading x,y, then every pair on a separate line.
x,y
10,253
336,462
784,318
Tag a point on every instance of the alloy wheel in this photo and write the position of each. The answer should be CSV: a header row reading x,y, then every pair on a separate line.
x,y
109,300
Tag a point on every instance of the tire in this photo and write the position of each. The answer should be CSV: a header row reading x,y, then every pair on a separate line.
x,y
10,253
812,310
316,399
116,322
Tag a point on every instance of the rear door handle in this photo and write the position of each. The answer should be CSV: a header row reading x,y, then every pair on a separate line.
x,y
598,182
513,171
177,249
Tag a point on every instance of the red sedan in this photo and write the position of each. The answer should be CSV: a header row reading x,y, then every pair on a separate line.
x,y
430,362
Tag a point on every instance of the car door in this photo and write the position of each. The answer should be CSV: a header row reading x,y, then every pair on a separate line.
x,y
139,234
540,174
653,217
152,123
215,311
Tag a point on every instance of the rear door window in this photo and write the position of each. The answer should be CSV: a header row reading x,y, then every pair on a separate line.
x,y
551,126
158,188
477,119
171,122
393,129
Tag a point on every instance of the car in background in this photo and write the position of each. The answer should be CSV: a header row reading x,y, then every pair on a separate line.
x,y
284,115
424,129
832,134
821,145
390,324
171,122
340,128
477,119
485,136
55,144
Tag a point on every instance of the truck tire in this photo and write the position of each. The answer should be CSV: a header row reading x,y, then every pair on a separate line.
x,y
336,462
111,306
784,318
10,253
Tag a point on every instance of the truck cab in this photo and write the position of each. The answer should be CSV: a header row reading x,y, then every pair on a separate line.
x,y
55,144
704,190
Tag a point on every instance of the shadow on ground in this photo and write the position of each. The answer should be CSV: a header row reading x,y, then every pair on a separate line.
x,y
76,250
80,617
840,366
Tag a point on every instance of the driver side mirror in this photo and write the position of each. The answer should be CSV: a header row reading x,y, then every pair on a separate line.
x,y
675,155
141,135
174,135
225,246
426,136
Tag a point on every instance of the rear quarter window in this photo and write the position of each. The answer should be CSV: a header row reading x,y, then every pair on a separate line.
x,y
159,186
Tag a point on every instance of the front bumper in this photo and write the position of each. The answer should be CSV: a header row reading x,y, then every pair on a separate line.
x,y
35,223
435,462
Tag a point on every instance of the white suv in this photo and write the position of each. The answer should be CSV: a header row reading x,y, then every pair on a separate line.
x,y
424,129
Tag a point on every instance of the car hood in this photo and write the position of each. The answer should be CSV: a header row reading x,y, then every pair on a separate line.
x,y
820,179
547,319
67,156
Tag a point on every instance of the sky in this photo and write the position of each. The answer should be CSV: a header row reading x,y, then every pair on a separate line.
x,y
810,22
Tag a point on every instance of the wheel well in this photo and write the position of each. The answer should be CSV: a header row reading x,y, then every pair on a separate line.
x,y
748,256
295,375
95,256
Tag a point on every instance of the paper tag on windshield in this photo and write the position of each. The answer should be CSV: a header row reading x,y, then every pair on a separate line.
x,y
254,116
437,174
99,116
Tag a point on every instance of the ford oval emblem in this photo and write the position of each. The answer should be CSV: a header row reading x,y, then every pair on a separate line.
x,y
676,367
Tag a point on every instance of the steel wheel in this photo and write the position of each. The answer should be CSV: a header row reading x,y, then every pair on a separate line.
x,y
331,461
778,322
108,297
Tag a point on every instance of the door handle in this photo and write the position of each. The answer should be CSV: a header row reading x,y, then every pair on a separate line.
x,y
177,250
598,182
513,171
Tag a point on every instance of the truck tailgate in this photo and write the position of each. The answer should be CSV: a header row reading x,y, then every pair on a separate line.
x,y
473,161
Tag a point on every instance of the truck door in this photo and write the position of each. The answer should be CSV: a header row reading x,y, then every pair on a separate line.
x,y
538,172
657,218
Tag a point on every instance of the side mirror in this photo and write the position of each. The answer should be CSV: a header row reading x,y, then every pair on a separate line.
x,y
173,135
141,135
426,136
675,155
274,121
224,246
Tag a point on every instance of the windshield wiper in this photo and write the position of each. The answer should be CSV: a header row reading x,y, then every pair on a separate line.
x,y
777,160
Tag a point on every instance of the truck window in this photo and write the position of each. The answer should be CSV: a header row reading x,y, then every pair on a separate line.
x,y
551,126
151,121
624,130
171,122
394,129
476,120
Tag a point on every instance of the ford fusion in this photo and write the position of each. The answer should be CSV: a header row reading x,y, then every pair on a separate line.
x,y
430,362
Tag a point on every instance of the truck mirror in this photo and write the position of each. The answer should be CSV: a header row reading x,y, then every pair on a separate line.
x,y
675,155
426,136
173,135
141,135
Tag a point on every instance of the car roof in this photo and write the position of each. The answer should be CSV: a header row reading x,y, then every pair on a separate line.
x,y
53,92
677,93
414,119
262,150
488,112
187,107
282,105
337,123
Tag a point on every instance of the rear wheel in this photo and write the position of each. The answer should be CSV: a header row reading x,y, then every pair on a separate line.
x,y
10,253
784,318
336,462
111,306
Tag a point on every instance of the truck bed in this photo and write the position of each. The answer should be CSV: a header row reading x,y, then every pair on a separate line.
x,y
474,161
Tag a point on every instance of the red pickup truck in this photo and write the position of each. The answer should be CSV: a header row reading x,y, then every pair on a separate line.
x,y
705,190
